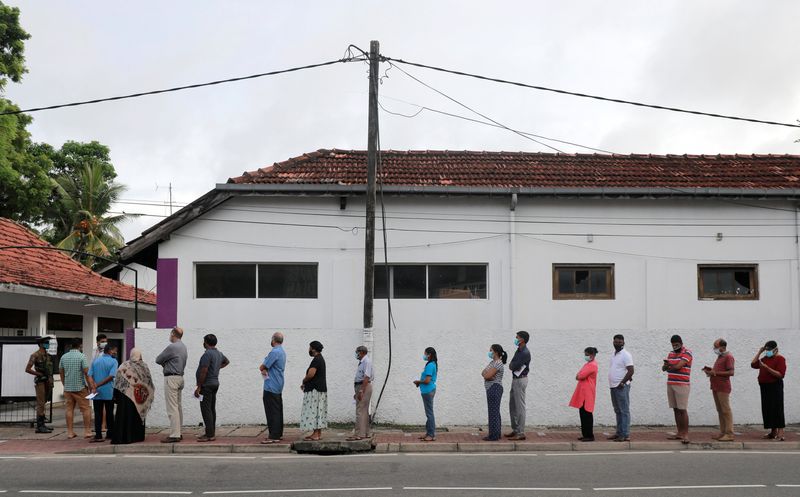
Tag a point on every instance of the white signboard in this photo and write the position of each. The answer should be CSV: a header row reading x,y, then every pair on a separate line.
x,y
15,381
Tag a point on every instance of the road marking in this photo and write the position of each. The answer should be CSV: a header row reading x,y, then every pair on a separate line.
x,y
12,457
480,454
677,487
615,453
308,457
173,456
788,485
512,489
108,492
297,490
774,452
95,456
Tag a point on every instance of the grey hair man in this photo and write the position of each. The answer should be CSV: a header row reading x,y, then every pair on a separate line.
x,y
173,361
363,392
272,369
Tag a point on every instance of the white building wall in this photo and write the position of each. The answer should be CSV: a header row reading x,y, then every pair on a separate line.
x,y
655,283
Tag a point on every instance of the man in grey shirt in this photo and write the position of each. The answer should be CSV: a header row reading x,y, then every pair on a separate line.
x,y
173,360
520,366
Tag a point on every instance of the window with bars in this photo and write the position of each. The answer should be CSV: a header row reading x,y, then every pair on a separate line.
x,y
583,281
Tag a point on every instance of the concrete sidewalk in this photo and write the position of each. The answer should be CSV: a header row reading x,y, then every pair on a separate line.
x,y
21,439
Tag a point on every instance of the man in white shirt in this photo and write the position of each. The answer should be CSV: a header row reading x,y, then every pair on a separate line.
x,y
620,373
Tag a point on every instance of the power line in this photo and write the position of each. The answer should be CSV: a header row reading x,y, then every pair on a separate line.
x,y
177,88
476,112
587,95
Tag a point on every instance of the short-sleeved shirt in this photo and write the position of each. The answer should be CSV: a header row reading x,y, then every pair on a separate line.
x,y
778,363
682,376
619,367
211,359
42,364
103,367
498,377
275,362
432,370
73,363
318,381
722,384
364,369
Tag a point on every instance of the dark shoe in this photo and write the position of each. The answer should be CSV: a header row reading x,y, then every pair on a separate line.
x,y
586,439
510,434
206,439
170,440
487,439
622,439
519,437
97,439
613,437
42,429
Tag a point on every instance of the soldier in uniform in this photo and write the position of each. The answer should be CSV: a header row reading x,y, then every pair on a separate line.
x,y
40,365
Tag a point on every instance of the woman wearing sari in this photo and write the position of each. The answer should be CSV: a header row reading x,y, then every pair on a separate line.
x,y
133,395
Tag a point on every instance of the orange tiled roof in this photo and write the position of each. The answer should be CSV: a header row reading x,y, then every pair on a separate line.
x,y
522,169
54,270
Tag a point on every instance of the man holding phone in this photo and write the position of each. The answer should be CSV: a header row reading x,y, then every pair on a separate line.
x,y
720,379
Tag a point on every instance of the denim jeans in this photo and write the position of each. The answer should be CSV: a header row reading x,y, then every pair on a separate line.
x,y
621,400
430,424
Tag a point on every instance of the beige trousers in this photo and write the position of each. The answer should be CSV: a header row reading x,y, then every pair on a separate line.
x,y
71,399
362,410
173,387
723,403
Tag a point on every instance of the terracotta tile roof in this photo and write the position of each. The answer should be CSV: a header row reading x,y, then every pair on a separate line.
x,y
530,170
54,270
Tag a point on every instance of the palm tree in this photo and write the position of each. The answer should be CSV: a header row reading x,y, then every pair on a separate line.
x,y
85,200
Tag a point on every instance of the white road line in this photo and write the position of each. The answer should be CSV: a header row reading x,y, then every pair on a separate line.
x,y
742,452
615,453
510,489
315,457
677,487
108,492
13,457
477,454
788,485
95,456
173,456
297,490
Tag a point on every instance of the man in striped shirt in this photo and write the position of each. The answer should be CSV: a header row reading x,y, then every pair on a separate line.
x,y
678,366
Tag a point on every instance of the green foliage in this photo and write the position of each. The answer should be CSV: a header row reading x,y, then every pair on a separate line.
x,y
12,46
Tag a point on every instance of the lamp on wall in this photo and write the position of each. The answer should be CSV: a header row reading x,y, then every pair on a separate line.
x,y
719,237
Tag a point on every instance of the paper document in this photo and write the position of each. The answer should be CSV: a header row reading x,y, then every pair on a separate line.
x,y
91,396
518,373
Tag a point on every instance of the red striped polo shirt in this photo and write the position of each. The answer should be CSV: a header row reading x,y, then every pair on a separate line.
x,y
680,377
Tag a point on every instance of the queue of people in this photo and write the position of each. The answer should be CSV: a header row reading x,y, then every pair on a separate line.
x,y
122,396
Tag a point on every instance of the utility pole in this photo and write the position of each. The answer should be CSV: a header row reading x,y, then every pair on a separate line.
x,y
372,164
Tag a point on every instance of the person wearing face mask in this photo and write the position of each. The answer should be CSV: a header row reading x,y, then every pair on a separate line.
x,y
427,388
585,394
771,368
103,370
207,376
519,367
173,362
620,373
40,365
314,412
678,366
363,393
720,379
493,382
101,340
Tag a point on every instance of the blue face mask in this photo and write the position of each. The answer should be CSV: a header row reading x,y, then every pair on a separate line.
x,y
357,358
587,358
769,353
516,342
46,345
491,356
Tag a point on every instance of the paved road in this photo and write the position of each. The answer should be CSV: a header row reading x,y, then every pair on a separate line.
x,y
657,474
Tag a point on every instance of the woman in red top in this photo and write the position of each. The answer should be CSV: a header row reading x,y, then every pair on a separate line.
x,y
771,370
585,394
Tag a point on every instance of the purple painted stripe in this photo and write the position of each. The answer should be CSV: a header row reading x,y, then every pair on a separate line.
x,y
167,293
130,341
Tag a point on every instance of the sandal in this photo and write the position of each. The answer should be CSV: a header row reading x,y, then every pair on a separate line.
x,y
674,437
353,439
311,439
428,439
769,436
269,441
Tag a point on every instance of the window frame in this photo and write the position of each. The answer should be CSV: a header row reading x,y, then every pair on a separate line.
x,y
379,266
610,293
255,296
753,269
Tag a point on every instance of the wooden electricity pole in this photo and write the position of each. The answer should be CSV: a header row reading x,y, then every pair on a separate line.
x,y
372,164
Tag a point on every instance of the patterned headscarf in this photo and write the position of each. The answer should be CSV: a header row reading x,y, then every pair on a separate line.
x,y
134,380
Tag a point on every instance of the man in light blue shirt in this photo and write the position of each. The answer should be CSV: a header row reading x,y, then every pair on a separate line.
x,y
272,370
103,371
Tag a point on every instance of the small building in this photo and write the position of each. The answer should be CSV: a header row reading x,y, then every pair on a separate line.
x,y
46,292
572,248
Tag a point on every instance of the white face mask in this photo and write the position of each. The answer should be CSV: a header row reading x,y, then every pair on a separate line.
x,y
718,351
102,345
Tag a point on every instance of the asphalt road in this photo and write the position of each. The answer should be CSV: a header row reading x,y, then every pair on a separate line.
x,y
657,474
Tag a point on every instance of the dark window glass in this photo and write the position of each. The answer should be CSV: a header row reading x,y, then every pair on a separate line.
x,y
583,282
408,282
287,281
110,325
380,281
228,281
13,318
457,281
718,282
64,322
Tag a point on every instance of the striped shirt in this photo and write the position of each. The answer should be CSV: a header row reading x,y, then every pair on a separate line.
x,y
73,363
498,377
681,376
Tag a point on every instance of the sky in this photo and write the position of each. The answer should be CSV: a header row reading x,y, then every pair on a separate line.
x,y
728,57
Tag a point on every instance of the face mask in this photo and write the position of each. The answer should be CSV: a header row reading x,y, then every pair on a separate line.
x,y
424,358
717,351
769,353
587,358
491,356
311,353
102,345
46,345
676,349
618,347
516,342
357,358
